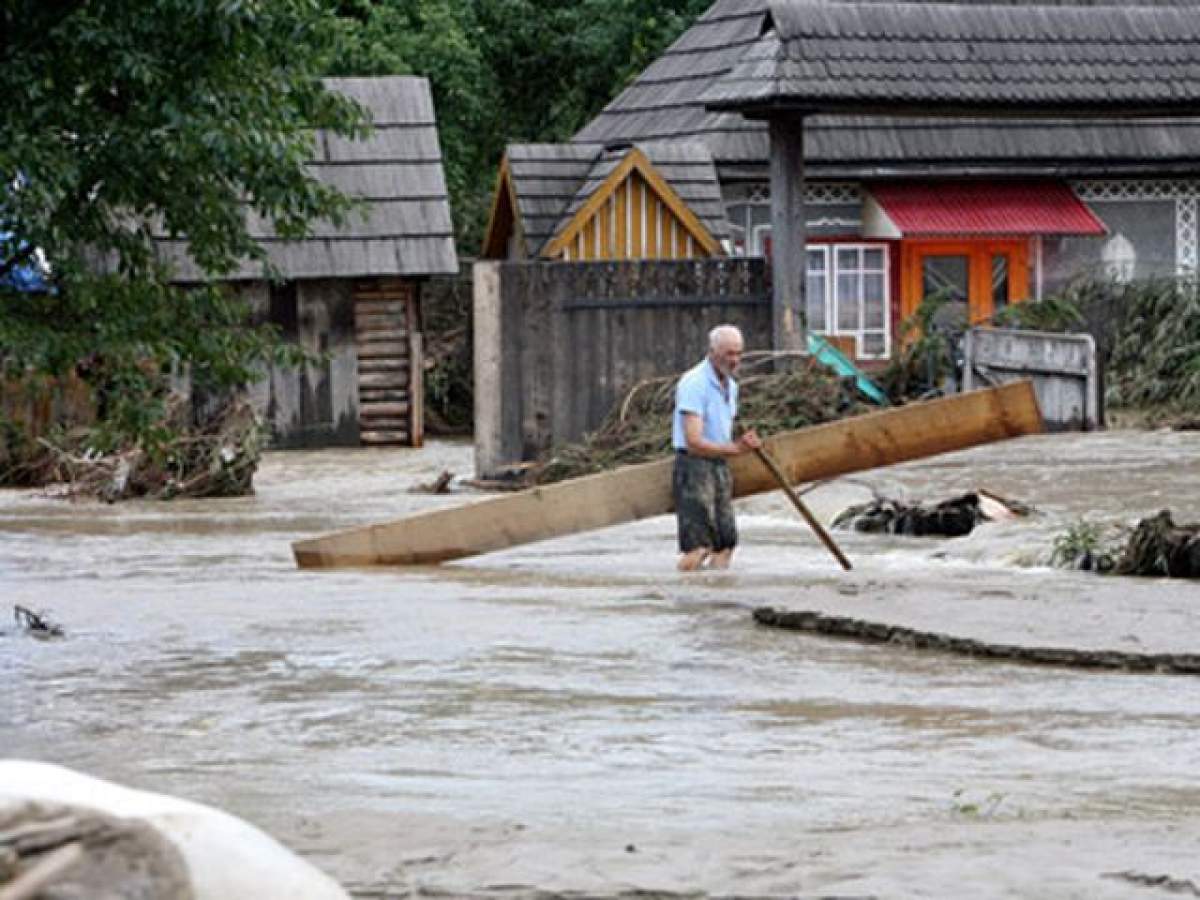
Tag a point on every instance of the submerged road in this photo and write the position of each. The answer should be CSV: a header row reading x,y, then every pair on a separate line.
x,y
576,717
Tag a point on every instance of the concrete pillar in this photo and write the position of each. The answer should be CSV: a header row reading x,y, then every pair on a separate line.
x,y
489,381
788,258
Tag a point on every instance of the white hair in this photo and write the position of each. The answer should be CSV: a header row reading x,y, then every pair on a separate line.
x,y
722,333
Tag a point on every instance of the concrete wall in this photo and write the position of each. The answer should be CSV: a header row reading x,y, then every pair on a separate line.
x,y
314,405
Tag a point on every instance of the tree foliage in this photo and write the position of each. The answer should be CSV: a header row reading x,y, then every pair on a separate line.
x,y
507,71
125,118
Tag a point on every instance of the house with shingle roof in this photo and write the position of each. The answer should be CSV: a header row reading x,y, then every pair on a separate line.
x,y
352,293
572,202
907,194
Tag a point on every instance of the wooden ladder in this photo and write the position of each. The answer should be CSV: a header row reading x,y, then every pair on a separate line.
x,y
388,339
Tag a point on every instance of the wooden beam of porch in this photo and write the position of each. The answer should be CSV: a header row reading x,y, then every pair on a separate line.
x,y
788,253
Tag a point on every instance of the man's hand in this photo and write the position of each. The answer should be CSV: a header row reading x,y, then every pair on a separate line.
x,y
749,441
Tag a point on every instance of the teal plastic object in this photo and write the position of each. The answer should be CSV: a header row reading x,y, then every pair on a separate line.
x,y
831,356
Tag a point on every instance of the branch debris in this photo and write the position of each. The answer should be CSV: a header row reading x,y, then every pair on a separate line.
x,y
36,623
638,429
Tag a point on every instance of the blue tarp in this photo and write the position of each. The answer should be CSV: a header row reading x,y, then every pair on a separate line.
x,y
29,277
831,356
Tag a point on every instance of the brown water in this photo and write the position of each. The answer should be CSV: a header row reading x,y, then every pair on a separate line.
x,y
576,717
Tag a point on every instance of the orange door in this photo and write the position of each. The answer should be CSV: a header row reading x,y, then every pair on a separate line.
x,y
983,274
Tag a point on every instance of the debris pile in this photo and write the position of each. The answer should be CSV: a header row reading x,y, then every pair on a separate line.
x,y
1156,547
36,624
955,517
216,458
639,427
1160,547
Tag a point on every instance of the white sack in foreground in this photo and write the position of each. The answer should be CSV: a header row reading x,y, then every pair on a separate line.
x,y
187,850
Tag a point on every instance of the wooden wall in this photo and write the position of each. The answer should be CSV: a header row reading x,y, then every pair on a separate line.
x,y
558,344
37,404
364,387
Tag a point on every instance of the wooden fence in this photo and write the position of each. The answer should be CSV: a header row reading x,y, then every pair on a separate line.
x,y
37,404
558,344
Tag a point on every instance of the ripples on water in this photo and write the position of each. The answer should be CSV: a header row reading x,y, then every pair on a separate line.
x,y
524,717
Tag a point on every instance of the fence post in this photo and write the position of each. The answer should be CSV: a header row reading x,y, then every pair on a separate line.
x,y
788,254
489,380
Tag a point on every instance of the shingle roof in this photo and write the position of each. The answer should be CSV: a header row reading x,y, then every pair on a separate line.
x,y
552,182
934,57
546,178
688,167
404,227
664,103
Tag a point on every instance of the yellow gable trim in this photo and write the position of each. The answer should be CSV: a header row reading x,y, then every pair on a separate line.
x,y
635,161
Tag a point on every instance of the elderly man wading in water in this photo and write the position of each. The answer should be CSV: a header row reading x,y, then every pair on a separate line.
x,y
702,434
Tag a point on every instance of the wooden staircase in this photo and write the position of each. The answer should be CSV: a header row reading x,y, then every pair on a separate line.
x,y
388,337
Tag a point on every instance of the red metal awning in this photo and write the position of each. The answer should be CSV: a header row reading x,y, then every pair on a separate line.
x,y
958,208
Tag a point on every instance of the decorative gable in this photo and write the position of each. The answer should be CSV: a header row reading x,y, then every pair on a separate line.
x,y
627,210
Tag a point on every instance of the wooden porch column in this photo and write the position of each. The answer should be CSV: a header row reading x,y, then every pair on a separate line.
x,y
787,231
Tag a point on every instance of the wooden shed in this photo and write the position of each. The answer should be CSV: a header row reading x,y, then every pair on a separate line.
x,y
574,202
353,292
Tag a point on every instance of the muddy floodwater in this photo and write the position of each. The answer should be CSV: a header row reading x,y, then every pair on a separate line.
x,y
576,718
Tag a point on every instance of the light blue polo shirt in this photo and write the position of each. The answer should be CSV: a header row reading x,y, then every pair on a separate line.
x,y
699,391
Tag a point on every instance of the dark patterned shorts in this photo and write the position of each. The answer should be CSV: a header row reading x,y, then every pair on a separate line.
x,y
703,490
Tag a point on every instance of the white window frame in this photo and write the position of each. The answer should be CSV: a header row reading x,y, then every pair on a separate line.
x,y
832,271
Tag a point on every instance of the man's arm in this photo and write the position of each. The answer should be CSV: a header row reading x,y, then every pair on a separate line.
x,y
698,445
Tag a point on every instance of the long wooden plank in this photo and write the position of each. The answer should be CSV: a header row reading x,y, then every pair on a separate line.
x,y
382,349
389,365
383,410
397,379
637,492
374,438
381,334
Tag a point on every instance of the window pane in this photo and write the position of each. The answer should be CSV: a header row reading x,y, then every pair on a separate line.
x,y
814,301
873,343
760,244
848,301
873,287
999,282
873,259
945,276
873,305
816,260
847,259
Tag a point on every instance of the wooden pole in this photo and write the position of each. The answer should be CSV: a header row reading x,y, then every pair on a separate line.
x,y
789,259
803,510
638,492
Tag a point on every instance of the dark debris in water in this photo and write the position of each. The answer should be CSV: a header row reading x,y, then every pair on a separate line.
x,y
955,517
1158,547
36,624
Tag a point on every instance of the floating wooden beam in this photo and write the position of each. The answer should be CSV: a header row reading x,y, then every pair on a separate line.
x,y
638,492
